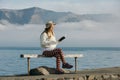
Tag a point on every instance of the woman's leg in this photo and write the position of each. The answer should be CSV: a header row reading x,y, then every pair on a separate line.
x,y
59,52
55,53
58,62
59,57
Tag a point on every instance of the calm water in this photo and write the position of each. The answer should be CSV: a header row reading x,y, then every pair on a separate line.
x,y
12,64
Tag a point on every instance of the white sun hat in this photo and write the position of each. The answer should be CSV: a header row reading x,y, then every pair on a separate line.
x,y
50,22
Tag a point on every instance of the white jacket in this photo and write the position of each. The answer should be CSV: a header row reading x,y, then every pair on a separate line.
x,y
46,43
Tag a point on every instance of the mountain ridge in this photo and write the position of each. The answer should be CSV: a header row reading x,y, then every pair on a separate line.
x,y
36,15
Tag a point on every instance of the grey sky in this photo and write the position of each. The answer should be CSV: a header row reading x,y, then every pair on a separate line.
x,y
77,6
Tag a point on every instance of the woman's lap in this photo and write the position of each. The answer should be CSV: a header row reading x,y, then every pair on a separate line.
x,y
52,53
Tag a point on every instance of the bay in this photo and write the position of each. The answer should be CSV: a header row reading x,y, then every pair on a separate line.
x,y
94,57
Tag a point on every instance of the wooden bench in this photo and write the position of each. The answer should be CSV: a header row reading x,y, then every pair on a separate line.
x,y
28,56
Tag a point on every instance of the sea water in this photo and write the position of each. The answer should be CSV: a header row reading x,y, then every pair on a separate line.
x,y
94,57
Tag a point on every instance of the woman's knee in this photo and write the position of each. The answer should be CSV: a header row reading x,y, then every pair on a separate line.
x,y
59,50
57,55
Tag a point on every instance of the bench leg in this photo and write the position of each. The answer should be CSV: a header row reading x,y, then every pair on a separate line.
x,y
75,64
28,65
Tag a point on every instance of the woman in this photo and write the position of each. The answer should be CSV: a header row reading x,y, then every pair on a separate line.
x,y
49,43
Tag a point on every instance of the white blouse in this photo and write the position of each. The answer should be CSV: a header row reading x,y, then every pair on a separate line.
x,y
48,43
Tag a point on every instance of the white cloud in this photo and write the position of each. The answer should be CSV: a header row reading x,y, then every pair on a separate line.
x,y
85,33
90,33
2,27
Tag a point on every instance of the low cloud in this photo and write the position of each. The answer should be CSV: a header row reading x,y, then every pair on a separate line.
x,y
2,27
85,33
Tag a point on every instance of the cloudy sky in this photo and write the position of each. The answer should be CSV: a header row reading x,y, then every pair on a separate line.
x,y
76,6
80,34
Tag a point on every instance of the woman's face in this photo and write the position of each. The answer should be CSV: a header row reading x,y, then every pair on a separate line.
x,y
52,26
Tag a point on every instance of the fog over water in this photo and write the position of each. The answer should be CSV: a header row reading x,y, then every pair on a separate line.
x,y
86,33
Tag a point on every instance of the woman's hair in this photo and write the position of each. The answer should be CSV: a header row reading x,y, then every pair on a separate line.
x,y
49,31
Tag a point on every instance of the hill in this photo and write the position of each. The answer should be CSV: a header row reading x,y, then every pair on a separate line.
x,y
37,15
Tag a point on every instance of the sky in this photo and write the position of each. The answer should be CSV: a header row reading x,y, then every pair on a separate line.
x,y
76,6
86,33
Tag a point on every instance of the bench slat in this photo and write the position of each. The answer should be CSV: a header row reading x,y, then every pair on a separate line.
x,y
73,55
38,55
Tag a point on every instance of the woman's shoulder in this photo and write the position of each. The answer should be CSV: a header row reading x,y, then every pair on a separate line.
x,y
43,34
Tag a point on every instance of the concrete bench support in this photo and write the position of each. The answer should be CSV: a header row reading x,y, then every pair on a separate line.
x,y
28,56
